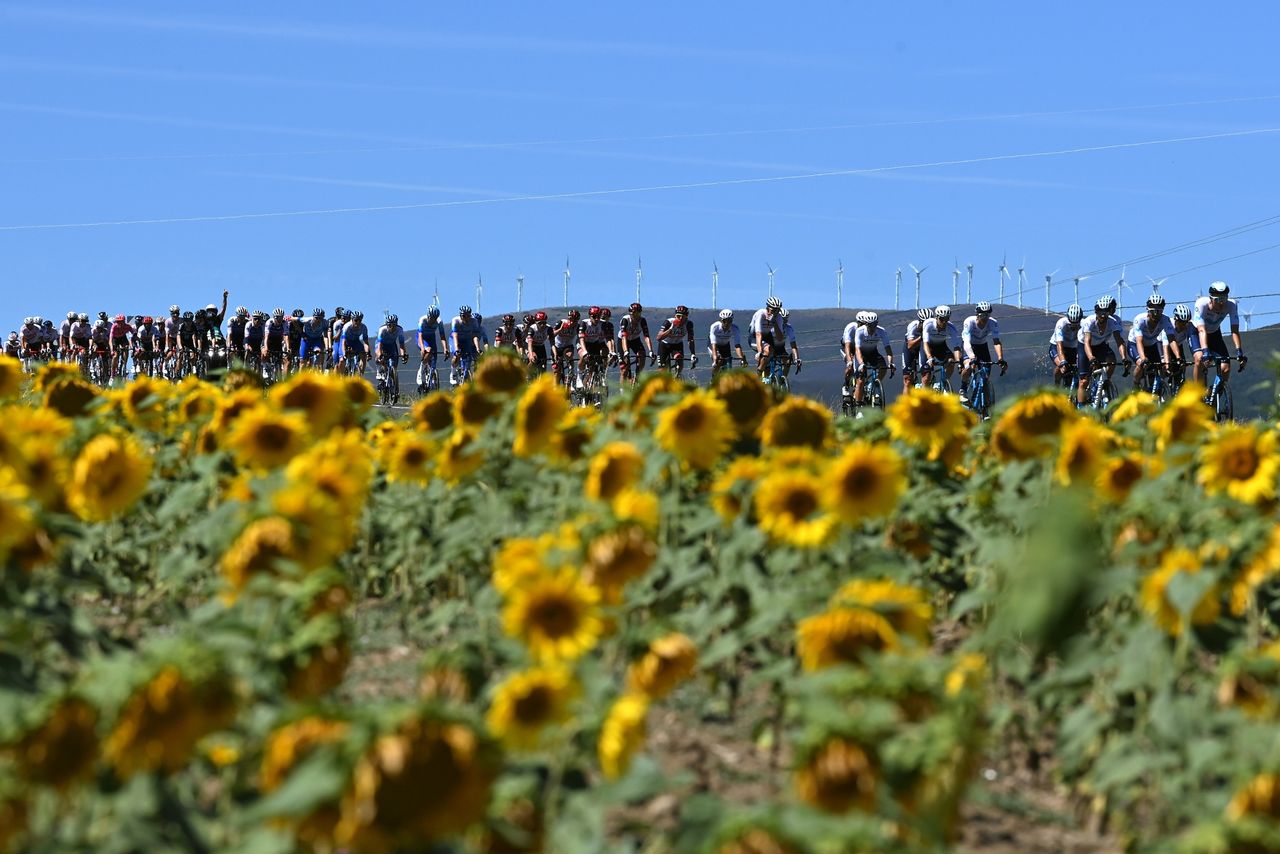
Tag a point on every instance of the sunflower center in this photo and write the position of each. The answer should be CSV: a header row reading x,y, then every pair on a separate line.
x,y
926,412
109,480
1125,475
555,617
274,437
800,503
414,456
1042,422
859,481
690,419
535,706
302,396
538,416
1240,463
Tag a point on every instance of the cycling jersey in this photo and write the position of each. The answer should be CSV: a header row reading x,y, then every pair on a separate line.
x,y
633,329
913,331
120,333
870,339
171,325
766,325
722,336
253,332
677,332
1186,333
355,333
789,335
275,334
565,335
936,336
1204,316
1098,332
537,334
30,336
64,331
593,332
468,331
313,331
294,331
1065,333
390,341
431,333
100,336
235,329
972,334
146,337
1149,333
512,337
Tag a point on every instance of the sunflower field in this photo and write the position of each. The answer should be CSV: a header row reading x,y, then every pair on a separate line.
x,y
702,620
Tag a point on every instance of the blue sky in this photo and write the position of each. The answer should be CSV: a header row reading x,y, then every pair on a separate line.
x,y
447,142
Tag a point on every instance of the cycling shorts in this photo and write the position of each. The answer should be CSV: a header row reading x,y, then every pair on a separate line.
x,y
872,358
595,348
1101,353
722,352
911,359
307,347
1150,352
1217,345
1068,352
539,353
981,352
666,351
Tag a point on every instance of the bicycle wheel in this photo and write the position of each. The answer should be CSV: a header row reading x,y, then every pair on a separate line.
x,y
1223,410
877,393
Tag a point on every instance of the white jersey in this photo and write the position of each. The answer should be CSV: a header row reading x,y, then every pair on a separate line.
x,y
719,335
593,331
1147,333
789,335
935,335
537,333
1180,337
65,329
913,331
1065,333
80,330
865,338
971,333
1099,332
1204,316
764,325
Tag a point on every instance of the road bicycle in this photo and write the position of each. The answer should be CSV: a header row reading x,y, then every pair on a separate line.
x,y
1219,396
1101,389
593,387
980,391
389,387
776,373
937,371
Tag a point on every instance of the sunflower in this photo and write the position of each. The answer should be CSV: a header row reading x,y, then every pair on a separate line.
x,y
791,509
1241,461
574,433
837,777
344,481
525,704
11,376
109,476
263,440
555,615
53,373
472,407
1083,455
195,406
427,780
746,398
968,674
1263,566
360,395
1259,798
517,559
1029,427
1119,475
906,608
62,750
319,398
866,481
615,467
143,402
538,415
617,557
927,419
257,551
796,422
409,459
458,458
731,486
240,379
322,529
230,408
1183,420
288,745
1154,594
500,372
671,659
696,430
842,636
652,387
163,719
311,673
434,412
72,397
17,516
1136,404
638,506
622,735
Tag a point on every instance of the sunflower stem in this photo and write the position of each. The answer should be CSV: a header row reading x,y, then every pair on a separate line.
x,y
171,810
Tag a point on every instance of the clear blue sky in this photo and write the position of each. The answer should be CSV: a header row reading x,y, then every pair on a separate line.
x,y
127,111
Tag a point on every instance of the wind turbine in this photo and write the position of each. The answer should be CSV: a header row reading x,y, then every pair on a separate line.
x,y
968,289
840,284
1120,287
520,292
1248,316
567,274
897,288
1004,274
1022,279
435,297
1078,280
715,282
1156,283
1047,280
771,272
479,291
639,276
955,283
918,272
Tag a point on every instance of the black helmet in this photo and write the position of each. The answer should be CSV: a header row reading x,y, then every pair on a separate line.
x,y
393,319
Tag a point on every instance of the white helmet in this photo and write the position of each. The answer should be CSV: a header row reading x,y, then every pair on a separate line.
x,y
1181,312
1074,313
773,303
1218,290
942,312
726,314
924,313
870,318
983,307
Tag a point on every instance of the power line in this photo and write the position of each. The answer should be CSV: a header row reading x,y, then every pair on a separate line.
x,y
771,179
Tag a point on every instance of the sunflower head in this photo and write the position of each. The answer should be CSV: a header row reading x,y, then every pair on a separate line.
x,y
458,458
143,402
71,397
11,377
527,703
637,507
731,487
670,660
257,551
1183,420
927,419
1083,455
791,508
1156,601
796,422
1119,475
843,635
866,481
239,379
53,373
1262,566
472,407
360,395
62,749
555,614
622,735
17,511
500,371
538,416
696,430
263,439
409,458
653,386
615,467
837,777
746,398
617,557
110,475
434,412
319,398
906,608
322,530
1259,798
1031,425
1241,461
288,745
1136,404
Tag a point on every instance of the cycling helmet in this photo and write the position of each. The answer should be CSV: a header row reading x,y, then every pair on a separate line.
x,y
393,319
433,312
1181,312
119,318
337,312
942,312
100,324
259,315
173,309
26,321
871,318
784,314
574,314
924,313
277,313
1219,290
540,317
241,311
82,317
211,308
147,320
358,316
773,303
594,311
1155,301
510,319
187,315
1074,313
48,324
464,311
983,307
38,320
682,311
102,315
635,308
297,312
349,315
726,314
1104,304
606,313
860,317
528,318
71,315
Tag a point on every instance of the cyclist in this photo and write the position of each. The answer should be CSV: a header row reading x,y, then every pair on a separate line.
x,y
1062,343
913,341
235,331
1182,342
144,346
484,333
31,337
390,350
431,340
355,343
121,344
863,349
564,339
672,335
634,342
80,334
509,334
535,342
1207,317
723,340
13,345
606,319
977,329
1095,351
273,339
465,335
100,346
255,331
171,324
788,341
764,326
311,346
1149,338
594,340
50,338
940,341
293,340
64,333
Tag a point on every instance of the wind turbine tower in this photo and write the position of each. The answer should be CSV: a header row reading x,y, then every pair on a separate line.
x,y
435,296
1248,316
897,288
968,288
1156,283
715,282
479,292
1048,280
639,276
955,283
1078,280
840,284
1022,279
567,274
520,292
771,272
1004,274
1120,288
918,272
